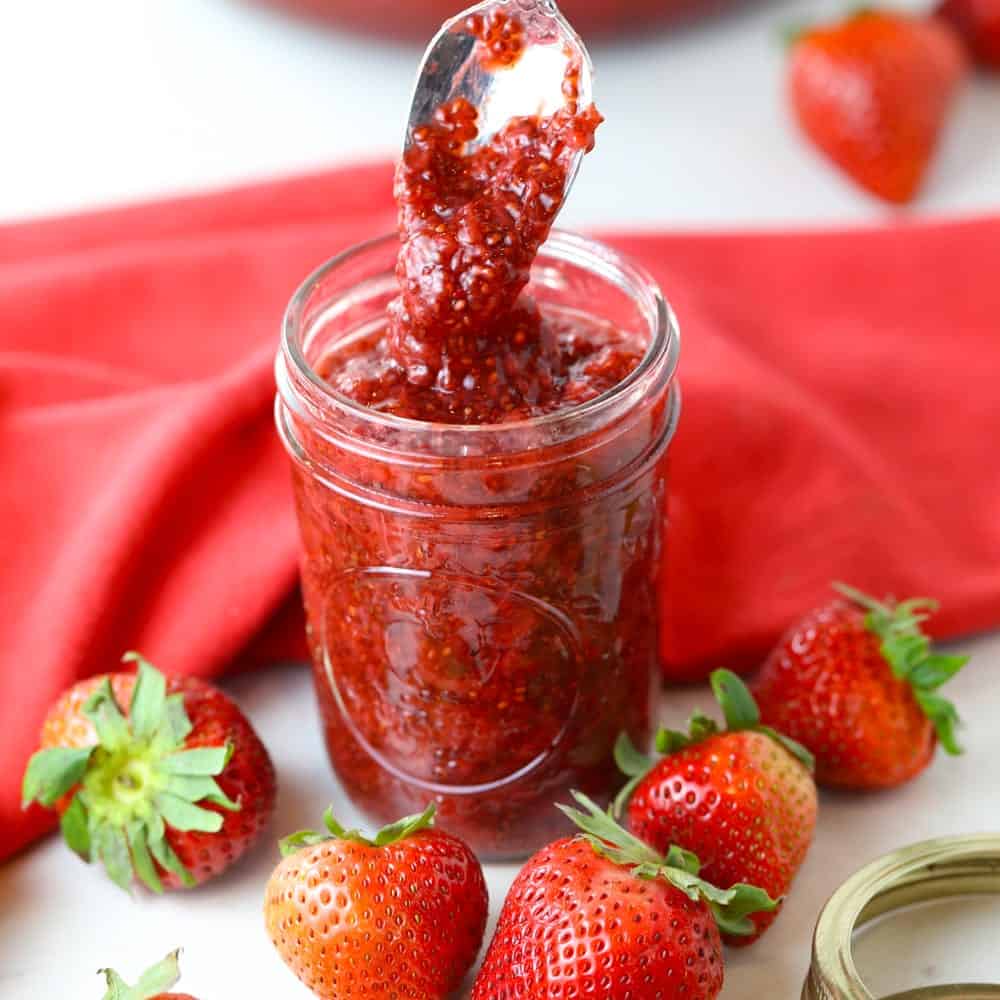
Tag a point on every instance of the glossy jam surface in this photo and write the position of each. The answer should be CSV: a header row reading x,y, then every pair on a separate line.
x,y
483,630
471,221
536,366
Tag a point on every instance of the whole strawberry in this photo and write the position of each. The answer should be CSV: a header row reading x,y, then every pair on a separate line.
x,y
153,984
172,790
978,22
400,915
741,798
604,915
873,91
856,682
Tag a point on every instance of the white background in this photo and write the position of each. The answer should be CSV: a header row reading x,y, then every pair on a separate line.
x,y
110,100
115,100
60,920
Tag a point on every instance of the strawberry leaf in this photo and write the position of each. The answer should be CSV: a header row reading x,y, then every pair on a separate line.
x,y
164,853
160,978
155,981
630,761
201,761
117,988
731,907
796,749
142,861
185,816
75,826
687,861
944,717
52,773
294,842
112,848
175,726
200,788
607,836
634,765
904,651
671,740
149,697
700,728
734,907
936,670
405,827
735,700
103,711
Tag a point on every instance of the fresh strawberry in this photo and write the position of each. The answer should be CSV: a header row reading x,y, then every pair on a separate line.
x,y
604,915
856,682
873,91
153,984
400,915
171,792
978,22
741,798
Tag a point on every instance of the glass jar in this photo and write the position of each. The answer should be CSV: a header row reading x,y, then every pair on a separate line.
x,y
481,599
419,19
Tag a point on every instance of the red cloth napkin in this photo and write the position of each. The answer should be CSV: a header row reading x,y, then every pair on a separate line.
x,y
841,410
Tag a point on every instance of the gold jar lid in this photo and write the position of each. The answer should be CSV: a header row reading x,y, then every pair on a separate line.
x,y
932,870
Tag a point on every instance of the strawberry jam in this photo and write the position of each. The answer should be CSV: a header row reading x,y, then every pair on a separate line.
x,y
478,427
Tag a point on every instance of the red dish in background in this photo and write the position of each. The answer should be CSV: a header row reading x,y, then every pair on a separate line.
x,y
421,18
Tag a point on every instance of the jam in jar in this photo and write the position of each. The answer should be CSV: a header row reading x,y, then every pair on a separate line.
x,y
481,598
478,417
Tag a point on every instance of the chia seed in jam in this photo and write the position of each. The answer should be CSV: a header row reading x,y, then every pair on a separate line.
x,y
482,628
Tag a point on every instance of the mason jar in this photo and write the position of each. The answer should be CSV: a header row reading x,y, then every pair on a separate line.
x,y
480,599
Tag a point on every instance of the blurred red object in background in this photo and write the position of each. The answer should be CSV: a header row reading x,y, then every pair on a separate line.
x,y
978,21
420,18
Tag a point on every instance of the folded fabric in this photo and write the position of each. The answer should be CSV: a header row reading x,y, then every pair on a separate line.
x,y
840,401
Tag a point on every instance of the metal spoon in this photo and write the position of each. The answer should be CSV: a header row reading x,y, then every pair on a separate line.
x,y
533,86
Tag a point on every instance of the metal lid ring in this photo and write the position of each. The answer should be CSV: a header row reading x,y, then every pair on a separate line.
x,y
934,869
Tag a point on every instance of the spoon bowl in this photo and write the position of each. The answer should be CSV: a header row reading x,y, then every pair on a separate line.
x,y
453,68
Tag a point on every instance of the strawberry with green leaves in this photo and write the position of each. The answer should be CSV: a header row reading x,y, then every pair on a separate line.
x,y
153,984
171,790
742,797
605,915
398,916
857,682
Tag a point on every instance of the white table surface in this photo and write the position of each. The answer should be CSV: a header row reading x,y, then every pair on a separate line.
x,y
59,920
117,100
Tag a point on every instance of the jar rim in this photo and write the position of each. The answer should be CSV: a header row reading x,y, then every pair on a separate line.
x,y
662,353
930,870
